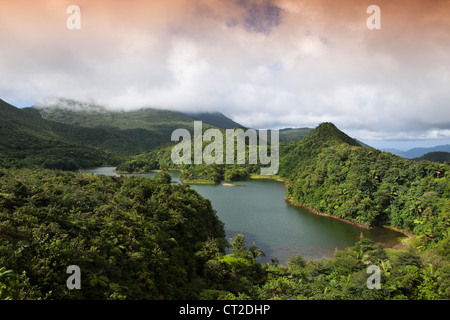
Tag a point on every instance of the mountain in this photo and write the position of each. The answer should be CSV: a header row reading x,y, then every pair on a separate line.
x,y
289,134
328,134
95,116
418,152
393,151
328,172
120,141
155,120
70,134
216,119
28,140
137,131
437,156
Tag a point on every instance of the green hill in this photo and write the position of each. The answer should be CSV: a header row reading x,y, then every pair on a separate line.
x,y
290,134
132,238
71,134
160,123
28,140
436,156
95,116
141,238
131,132
329,172
216,119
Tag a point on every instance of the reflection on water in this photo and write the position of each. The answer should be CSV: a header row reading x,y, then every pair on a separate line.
x,y
258,211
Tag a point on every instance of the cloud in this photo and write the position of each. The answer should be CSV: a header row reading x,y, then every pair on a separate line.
x,y
279,63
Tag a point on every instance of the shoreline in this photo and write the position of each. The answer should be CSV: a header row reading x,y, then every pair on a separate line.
x,y
198,182
310,210
401,244
266,177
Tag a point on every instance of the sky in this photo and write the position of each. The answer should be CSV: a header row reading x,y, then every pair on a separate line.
x,y
263,63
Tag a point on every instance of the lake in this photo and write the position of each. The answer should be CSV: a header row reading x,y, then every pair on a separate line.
x,y
257,209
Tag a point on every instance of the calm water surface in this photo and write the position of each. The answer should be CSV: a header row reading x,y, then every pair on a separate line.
x,y
257,209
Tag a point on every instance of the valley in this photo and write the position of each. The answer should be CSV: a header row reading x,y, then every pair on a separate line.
x,y
189,240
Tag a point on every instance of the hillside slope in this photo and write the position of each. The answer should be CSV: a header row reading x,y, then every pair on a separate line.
x,y
134,131
436,156
328,172
28,140
216,119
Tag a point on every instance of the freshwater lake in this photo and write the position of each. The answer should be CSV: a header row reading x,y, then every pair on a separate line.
x,y
257,209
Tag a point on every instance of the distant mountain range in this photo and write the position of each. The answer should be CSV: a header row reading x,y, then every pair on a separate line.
x,y
418,152
69,134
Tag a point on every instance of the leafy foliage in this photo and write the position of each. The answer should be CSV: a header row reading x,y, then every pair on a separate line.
x,y
329,173
405,274
436,156
139,238
133,238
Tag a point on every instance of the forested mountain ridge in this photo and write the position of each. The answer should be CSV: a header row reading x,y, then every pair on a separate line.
x,y
28,140
216,119
328,172
77,138
140,238
97,116
435,156
157,122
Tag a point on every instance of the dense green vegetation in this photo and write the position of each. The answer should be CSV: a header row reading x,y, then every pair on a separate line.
x,y
405,274
215,119
329,173
332,173
133,132
160,159
131,237
140,238
436,156
213,173
27,140
57,137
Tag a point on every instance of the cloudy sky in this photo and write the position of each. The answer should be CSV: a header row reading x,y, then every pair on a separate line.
x,y
264,63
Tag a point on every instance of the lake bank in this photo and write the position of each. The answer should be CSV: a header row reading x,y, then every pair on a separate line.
x,y
312,211
400,244
281,230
